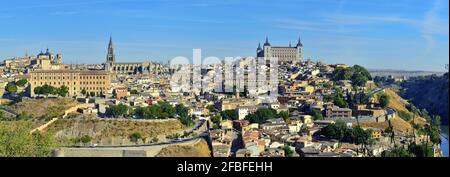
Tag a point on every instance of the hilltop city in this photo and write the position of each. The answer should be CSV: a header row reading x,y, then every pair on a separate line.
x,y
248,107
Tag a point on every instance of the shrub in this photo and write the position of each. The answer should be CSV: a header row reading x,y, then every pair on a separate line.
x,y
405,115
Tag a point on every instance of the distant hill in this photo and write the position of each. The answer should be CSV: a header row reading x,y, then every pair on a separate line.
x,y
429,92
397,73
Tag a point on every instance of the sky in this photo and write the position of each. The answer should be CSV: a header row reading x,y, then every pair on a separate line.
x,y
377,34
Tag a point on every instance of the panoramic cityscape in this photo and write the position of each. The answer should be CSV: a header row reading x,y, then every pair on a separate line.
x,y
134,83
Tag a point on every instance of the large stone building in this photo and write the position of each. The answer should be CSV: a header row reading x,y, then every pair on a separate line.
x,y
286,54
128,68
43,61
76,80
50,56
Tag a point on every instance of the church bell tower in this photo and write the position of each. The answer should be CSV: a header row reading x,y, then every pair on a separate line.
x,y
110,57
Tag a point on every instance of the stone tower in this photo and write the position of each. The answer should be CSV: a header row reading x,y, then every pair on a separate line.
x,y
110,57
267,49
300,49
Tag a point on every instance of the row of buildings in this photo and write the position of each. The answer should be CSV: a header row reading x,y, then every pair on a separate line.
x,y
47,69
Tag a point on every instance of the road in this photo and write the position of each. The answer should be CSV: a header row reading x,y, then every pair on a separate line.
x,y
378,90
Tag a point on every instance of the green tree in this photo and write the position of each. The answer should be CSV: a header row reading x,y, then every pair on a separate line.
x,y
342,74
316,114
284,115
119,110
384,100
328,98
38,90
357,74
134,137
167,109
288,152
404,115
229,115
211,108
186,120
358,79
434,133
134,92
85,139
360,136
216,120
421,150
338,99
47,89
21,82
92,94
341,132
360,75
262,115
63,91
11,87
396,152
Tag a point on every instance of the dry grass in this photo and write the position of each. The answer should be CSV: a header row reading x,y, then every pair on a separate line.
x,y
44,108
419,121
399,125
103,128
199,149
399,104
396,102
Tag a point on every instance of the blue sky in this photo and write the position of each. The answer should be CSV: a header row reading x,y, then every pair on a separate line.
x,y
400,34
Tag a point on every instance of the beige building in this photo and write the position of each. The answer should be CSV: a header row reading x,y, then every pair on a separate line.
x,y
233,103
76,80
130,68
286,54
43,61
19,63
337,112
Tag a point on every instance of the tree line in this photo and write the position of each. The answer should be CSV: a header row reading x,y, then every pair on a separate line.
x,y
357,74
161,110
340,131
48,89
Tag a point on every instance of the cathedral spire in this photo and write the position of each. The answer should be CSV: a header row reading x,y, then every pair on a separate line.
x,y
110,57
259,46
267,42
299,44
110,39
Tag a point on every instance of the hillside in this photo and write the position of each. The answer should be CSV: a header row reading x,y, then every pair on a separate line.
x,y
398,104
112,132
399,125
429,92
43,109
199,149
